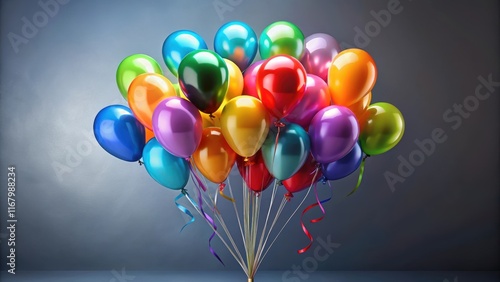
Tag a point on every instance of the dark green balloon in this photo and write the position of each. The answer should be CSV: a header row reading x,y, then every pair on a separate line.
x,y
382,127
281,38
292,149
204,77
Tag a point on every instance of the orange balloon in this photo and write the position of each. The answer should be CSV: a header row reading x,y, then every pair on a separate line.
x,y
214,158
360,107
145,93
245,123
149,134
351,76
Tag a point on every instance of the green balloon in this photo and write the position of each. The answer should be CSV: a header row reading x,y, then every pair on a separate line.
x,y
131,67
204,77
382,127
281,38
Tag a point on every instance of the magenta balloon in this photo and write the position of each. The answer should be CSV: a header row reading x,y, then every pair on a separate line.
x,y
178,126
321,48
249,78
317,97
333,131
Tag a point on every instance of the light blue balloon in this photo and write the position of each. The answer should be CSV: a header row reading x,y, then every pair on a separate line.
x,y
167,169
237,42
178,44
292,149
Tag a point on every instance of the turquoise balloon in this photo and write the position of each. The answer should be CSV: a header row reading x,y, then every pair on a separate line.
x,y
292,149
167,169
178,44
237,42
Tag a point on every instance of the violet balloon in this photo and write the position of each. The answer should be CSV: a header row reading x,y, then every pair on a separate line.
x,y
249,79
345,166
333,132
321,48
178,126
316,97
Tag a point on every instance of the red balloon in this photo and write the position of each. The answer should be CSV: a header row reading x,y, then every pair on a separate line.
x,y
254,172
281,84
303,178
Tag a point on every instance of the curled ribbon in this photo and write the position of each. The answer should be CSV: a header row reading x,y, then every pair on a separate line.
x,y
182,208
360,177
221,192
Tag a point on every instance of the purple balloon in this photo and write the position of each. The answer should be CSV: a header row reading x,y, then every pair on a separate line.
x,y
333,132
317,97
321,48
345,166
177,126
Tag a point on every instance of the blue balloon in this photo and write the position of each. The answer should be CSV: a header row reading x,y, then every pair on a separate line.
x,y
167,169
292,149
345,166
178,44
119,132
237,42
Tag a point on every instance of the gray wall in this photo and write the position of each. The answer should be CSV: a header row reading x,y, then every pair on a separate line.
x,y
102,213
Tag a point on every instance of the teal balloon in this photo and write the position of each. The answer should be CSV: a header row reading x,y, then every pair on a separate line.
x,y
292,148
178,44
165,168
237,42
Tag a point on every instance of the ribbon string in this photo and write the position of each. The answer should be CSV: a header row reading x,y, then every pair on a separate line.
x,y
221,192
360,177
183,209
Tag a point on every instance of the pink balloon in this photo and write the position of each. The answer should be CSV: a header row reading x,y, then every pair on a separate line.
x,y
333,132
178,126
249,79
316,97
321,48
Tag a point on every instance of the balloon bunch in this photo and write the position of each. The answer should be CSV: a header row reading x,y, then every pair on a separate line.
x,y
299,115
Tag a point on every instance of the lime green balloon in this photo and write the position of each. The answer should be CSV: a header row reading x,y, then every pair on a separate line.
x,y
131,67
382,127
281,38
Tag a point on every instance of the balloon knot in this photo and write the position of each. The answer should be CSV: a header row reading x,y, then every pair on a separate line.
x,y
211,116
257,194
323,180
280,183
188,159
184,191
288,196
366,157
279,123
140,162
248,161
222,186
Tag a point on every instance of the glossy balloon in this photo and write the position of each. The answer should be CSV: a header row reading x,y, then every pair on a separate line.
x,y
352,75
234,89
119,132
131,67
360,107
345,166
316,97
382,127
149,134
254,172
165,168
281,38
250,79
281,84
320,50
213,157
144,94
204,77
334,131
307,175
177,45
237,42
284,157
177,125
245,123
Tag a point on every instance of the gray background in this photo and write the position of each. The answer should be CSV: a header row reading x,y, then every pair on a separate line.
x,y
107,214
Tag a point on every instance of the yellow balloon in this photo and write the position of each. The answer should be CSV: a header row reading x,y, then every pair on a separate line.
x,y
213,157
245,123
235,87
